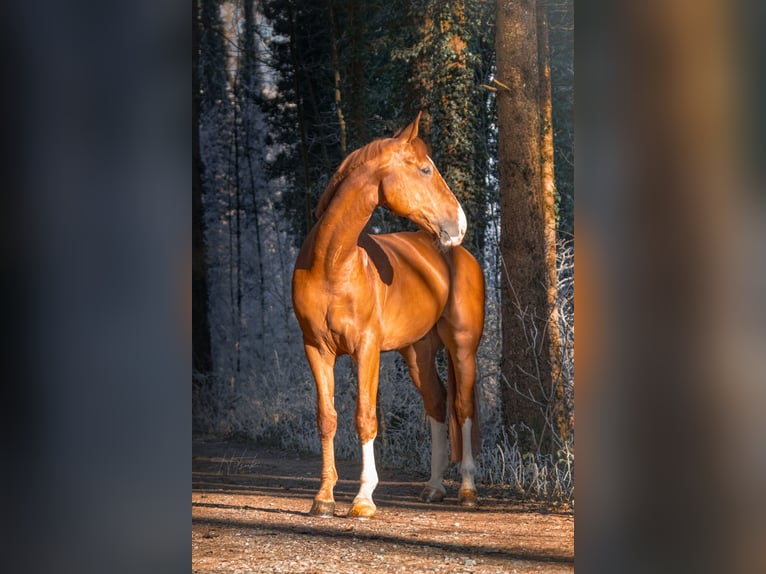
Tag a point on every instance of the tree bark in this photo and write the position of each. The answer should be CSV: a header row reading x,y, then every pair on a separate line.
x,y
527,217
246,90
201,355
561,416
357,97
308,209
336,78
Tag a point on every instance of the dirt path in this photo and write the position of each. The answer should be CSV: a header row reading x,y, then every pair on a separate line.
x,y
249,514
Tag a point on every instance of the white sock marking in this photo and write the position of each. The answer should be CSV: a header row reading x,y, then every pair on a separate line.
x,y
369,479
467,467
439,460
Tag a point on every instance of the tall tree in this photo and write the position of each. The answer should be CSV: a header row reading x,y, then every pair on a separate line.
x,y
252,127
336,78
201,356
304,114
527,241
447,61
560,16
558,412
359,133
211,128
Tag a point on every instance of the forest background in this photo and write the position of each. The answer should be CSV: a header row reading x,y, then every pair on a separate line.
x,y
282,91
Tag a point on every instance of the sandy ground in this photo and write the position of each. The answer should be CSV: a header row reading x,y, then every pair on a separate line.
x,y
250,505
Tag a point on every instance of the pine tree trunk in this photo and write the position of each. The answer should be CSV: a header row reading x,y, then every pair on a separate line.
x,y
527,215
548,187
336,78
357,103
294,60
247,90
201,356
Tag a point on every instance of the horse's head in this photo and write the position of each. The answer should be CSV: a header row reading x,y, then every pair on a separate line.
x,y
412,187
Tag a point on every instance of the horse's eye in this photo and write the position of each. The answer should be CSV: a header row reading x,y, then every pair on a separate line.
x,y
426,170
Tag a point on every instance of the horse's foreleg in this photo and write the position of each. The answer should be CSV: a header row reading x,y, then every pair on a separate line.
x,y
327,422
368,363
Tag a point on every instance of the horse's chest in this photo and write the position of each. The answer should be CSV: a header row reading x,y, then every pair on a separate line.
x,y
348,313
341,327
338,317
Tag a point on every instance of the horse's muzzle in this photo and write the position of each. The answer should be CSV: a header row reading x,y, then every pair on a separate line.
x,y
451,234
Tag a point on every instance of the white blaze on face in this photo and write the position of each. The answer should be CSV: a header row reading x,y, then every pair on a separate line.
x,y
448,239
462,224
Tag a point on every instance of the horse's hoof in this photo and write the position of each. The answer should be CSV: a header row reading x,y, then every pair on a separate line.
x,y
324,508
431,494
362,509
467,498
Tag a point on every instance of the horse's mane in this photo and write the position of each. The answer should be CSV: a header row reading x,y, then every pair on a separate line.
x,y
352,161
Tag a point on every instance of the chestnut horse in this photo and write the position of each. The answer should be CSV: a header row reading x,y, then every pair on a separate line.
x,y
361,294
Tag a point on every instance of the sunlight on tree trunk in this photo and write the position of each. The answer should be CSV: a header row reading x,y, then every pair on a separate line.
x,y
548,187
530,333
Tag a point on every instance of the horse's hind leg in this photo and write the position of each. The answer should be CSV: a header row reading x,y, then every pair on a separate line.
x,y
420,359
462,375
327,422
460,329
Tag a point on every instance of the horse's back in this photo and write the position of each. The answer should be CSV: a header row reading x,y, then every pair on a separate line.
x,y
407,246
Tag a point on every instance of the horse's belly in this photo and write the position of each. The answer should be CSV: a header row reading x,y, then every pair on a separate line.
x,y
404,337
410,319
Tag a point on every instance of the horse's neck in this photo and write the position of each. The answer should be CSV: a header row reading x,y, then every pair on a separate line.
x,y
344,220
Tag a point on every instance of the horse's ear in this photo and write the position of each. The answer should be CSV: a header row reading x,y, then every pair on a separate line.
x,y
411,131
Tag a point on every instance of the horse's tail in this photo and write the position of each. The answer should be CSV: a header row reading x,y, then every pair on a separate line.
x,y
455,432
